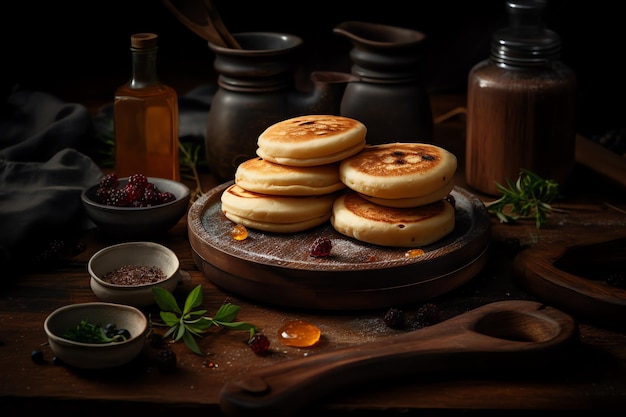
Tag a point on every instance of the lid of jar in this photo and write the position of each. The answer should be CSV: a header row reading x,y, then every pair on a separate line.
x,y
526,41
143,41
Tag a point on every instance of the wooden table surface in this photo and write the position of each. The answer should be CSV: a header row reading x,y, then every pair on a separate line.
x,y
591,375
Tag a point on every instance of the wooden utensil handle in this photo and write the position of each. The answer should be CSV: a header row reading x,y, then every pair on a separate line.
x,y
490,336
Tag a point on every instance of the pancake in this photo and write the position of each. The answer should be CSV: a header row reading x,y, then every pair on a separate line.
x,y
414,201
278,227
368,222
311,139
270,211
399,170
311,162
261,176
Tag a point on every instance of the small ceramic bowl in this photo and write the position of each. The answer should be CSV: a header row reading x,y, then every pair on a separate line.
x,y
144,254
96,355
138,223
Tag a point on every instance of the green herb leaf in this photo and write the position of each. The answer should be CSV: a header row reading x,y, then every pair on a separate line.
x,y
238,325
165,300
169,318
187,324
87,332
190,342
194,299
529,197
227,313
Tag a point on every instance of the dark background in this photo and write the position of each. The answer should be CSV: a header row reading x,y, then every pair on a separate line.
x,y
79,49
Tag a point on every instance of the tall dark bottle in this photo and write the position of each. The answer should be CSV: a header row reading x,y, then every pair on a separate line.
x,y
521,105
146,117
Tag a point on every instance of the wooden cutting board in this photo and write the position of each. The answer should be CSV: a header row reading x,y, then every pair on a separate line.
x,y
277,268
573,277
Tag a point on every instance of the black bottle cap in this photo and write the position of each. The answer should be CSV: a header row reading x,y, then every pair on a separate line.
x,y
526,41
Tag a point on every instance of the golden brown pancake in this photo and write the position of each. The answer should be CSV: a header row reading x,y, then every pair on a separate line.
x,y
311,139
293,227
312,162
368,222
399,170
261,176
414,201
294,212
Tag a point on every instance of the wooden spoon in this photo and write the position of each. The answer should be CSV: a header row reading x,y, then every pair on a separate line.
x,y
204,20
500,335
216,20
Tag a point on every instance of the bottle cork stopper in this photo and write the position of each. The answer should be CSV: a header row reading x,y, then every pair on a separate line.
x,y
143,40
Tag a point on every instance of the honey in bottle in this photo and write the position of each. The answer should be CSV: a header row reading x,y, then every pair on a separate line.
x,y
521,105
146,117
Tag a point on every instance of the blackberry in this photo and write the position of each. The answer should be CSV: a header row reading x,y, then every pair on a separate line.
x,y
616,279
138,181
259,343
51,252
117,197
394,318
166,197
37,356
103,194
426,315
321,247
109,181
166,360
151,195
134,194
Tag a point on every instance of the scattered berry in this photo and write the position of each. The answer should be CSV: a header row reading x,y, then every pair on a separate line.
x,y
37,357
426,315
166,360
394,318
321,247
259,343
617,279
57,361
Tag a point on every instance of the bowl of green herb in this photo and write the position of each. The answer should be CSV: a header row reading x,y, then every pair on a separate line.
x,y
96,335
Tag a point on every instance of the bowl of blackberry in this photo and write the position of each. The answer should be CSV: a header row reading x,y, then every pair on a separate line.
x,y
135,207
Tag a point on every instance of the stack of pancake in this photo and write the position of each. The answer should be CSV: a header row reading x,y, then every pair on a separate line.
x,y
396,195
316,168
293,184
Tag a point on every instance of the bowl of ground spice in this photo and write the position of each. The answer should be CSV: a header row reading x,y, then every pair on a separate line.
x,y
125,273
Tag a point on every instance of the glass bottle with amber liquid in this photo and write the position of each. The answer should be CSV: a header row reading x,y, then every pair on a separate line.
x,y
146,117
521,105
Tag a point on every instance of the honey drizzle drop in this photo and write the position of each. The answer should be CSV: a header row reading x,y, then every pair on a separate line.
x,y
298,333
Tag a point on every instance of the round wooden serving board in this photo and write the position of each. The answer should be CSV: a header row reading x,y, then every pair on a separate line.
x,y
277,268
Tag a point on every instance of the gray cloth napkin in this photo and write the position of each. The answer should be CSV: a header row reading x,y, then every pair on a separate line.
x,y
42,173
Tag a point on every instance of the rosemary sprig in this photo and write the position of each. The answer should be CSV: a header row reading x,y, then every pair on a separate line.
x,y
189,161
529,197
